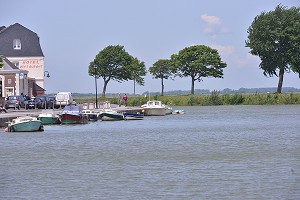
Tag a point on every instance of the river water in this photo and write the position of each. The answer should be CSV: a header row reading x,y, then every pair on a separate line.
x,y
222,152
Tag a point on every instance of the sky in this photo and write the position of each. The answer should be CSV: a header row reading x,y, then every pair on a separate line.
x,y
73,32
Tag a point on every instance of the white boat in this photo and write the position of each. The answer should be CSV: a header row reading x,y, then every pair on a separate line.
x,y
92,115
175,112
25,124
154,108
49,117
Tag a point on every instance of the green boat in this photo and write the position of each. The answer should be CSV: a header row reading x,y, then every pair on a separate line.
x,y
110,115
49,118
25,124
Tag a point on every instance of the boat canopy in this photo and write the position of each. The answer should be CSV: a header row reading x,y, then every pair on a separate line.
x,y
73,108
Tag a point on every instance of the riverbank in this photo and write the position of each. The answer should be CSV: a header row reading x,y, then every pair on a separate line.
x,y
215,98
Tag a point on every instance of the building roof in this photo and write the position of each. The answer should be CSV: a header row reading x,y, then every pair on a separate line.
x,y
36,87
30,42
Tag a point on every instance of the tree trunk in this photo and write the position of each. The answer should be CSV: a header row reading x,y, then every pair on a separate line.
x,y
280,82
162,87
134,87
193,86
104,88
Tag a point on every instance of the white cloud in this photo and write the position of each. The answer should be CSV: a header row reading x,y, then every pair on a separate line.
x,y
213,25
211,20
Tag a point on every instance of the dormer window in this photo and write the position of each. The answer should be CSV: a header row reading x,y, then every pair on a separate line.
x,y
17,44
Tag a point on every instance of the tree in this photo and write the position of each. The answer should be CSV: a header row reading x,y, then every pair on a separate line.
x,y
161,69
197,62
138,70
275,37
112,63
1,62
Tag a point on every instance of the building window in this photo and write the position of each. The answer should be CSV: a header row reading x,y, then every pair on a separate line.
x,y
9,81
17,64
17,44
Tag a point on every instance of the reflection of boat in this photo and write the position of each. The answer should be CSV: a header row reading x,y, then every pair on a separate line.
x,y
92,116
132,116
25,124
178,112
154,108
49,117
73,115
107,114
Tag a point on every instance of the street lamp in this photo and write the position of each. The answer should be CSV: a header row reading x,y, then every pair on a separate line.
x,y
46,73
95,70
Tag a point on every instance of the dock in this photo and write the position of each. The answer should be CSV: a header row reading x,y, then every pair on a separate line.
x,y
12,114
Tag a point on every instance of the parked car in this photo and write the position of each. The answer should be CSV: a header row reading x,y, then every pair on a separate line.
x,y
16,101
34,103
64,98
44,101
51,102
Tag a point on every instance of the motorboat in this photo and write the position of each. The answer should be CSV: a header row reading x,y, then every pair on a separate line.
x,y
25,124
108,114
133,116
175,112
154,108
49,117
92,115
72,114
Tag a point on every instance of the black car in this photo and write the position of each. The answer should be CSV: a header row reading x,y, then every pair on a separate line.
x,y
34,103
16,101
50,102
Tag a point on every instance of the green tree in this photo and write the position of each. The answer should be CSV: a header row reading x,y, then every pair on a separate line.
x,y
1,62
138,70
161,69
275,37
197,62
112,63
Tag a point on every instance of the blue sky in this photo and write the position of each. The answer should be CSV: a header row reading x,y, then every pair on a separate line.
x,y
73,32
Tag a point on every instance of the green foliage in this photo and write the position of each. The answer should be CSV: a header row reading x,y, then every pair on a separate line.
x,y
114,63
161,69
197,62
275,37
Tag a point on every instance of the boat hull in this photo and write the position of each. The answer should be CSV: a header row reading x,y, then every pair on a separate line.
x,y
133,116
30,126
49,120
154,111
73,119
107,116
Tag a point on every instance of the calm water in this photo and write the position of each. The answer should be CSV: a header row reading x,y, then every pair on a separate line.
x,y
226,152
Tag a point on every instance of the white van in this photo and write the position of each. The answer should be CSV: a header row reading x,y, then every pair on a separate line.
x,y
63,98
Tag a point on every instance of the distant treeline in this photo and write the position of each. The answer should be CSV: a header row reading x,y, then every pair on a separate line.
x,y
197,91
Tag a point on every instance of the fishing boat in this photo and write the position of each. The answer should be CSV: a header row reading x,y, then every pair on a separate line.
x,y
25,124
47,117
133,116
154,108
92,116
72,114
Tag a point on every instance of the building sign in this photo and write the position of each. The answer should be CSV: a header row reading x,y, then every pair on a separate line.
x,y
30,64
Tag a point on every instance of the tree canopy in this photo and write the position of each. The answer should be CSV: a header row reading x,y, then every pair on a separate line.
x,y
197,62
138,70
114,63
161,69
275,37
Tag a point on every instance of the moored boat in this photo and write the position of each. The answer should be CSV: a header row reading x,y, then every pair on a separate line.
x,y
133,116
25,124
73,115
92,116
49,118
108,114
154,108
175,112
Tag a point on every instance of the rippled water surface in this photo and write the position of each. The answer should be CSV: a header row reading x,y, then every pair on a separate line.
x,y
225,152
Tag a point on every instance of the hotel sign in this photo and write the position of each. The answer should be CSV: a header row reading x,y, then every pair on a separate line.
x,y
30,64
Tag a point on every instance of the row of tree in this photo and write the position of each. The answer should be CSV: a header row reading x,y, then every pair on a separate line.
x,y
273,36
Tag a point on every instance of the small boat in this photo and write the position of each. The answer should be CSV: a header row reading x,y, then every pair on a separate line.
x,y
73,115
49,117
133,116
107,114
175,112
154,108
25,124
92,116
110,115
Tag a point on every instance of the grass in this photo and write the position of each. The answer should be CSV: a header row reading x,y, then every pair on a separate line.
x,y
215,98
